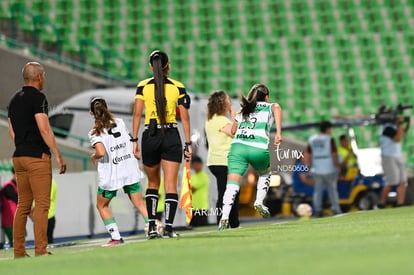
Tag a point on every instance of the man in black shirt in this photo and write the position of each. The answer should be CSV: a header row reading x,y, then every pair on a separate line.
x,y
33,137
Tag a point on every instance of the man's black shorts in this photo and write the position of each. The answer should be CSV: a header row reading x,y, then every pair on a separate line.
x,y
159,146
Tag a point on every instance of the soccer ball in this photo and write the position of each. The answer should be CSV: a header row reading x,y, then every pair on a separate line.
x,y
304,210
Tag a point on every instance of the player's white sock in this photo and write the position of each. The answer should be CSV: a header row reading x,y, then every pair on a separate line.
x,y
112,228
262,188
232,188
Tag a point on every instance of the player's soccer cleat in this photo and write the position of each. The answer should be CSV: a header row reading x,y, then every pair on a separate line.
x,y
169,235
113,242
223,225
263,210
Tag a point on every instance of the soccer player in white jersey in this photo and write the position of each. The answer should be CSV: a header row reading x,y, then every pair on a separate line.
x,y
117,166
251,128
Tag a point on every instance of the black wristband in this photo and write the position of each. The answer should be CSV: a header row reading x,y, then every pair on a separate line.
x,y
133,139
188,143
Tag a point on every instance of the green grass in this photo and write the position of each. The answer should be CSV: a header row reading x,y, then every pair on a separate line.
x,y
372,242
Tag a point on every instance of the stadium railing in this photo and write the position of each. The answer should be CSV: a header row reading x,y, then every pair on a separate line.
x,y
43,31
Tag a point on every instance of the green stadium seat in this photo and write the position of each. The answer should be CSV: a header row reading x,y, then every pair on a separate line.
x,y
40,7
5,13
342,56
278,21
95,58
305,24
120,67
71,45
131,52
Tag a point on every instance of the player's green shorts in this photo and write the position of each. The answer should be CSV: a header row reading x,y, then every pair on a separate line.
x,y
128,189
240,156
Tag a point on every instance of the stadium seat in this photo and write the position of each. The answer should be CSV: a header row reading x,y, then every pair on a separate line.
x,y
5,13
344,56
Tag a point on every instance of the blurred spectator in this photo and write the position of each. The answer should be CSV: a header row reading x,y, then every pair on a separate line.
x,y
302,178
51,214
200,186
392,162
348,160
325,166
8,201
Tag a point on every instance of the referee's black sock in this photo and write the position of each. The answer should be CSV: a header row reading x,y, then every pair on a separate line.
x,y
171,203
151,200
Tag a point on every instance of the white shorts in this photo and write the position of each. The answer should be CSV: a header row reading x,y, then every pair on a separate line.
x,y
394,170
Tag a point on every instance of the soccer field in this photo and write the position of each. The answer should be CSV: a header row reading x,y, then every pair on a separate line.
x,y
371,242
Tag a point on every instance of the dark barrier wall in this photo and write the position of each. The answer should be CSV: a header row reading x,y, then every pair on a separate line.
x,y
410,191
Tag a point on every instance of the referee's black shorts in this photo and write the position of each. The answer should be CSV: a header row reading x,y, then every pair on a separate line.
x,y
159,146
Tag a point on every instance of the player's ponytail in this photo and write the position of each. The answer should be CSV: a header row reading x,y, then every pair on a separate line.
x,y
258,92
103,117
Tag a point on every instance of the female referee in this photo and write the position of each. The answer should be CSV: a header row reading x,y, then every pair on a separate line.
x,y
161,145
117,167
251,129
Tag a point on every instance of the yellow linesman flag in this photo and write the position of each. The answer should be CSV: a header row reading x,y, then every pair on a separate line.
x,y
186,201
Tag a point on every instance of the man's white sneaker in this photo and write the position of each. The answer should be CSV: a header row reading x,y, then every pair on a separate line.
x,y
263,210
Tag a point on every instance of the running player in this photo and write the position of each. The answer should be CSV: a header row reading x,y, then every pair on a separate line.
x,y
117,166
251,129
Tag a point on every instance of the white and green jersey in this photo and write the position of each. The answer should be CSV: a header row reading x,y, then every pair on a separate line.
x,y
118,167
254,131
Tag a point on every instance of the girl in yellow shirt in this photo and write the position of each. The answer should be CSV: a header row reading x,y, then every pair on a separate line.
x,y
219,137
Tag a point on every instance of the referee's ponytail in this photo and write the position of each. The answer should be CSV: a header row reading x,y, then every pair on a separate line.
x,y
258,92
160,68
